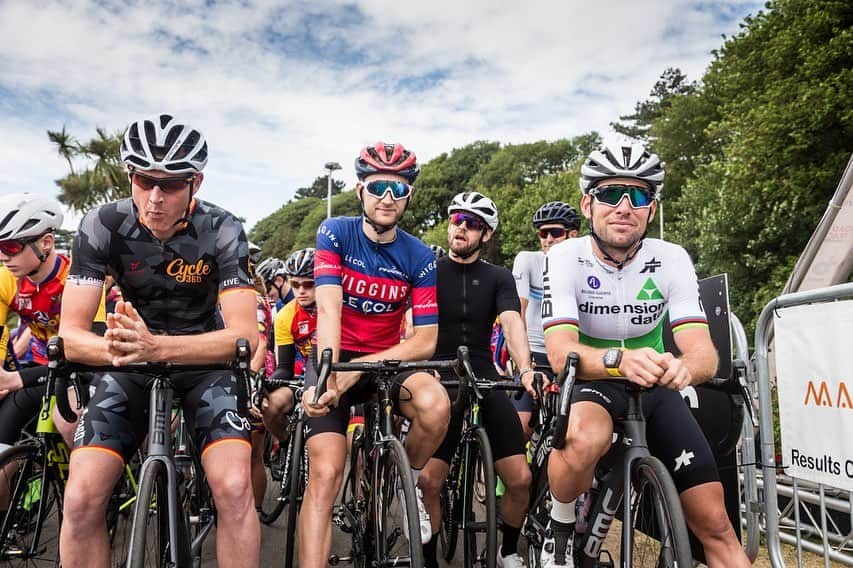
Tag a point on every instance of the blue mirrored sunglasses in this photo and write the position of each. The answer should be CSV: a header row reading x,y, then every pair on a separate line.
x,y
378,188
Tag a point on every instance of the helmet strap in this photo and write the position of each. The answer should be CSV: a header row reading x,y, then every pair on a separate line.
x,y
380,229
185,220
474,251
631,254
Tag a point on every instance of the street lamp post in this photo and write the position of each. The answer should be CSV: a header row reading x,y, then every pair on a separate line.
x,y
330,166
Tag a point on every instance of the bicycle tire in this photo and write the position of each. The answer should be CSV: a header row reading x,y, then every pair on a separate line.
x,y
120,514
29,529
657,513
150,531
394,503
480,532
277,482
538,516
353,513
451,506
295,474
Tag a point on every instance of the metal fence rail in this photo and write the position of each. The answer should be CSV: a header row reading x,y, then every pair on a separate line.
x,y
778,524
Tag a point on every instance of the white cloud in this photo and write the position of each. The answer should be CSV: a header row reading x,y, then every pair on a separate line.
x,y
280,89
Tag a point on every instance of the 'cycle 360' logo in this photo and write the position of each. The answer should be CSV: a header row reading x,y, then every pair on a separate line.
x,y
184,273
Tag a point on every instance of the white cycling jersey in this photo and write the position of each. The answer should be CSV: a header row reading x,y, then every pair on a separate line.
x,y
527,270
612,308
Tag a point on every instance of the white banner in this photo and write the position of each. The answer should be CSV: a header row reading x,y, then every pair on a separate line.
x,y
814,361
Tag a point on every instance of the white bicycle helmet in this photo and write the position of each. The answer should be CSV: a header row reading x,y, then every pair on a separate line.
x,y
24,215
269,268
164,143
478,204
300,263
630,160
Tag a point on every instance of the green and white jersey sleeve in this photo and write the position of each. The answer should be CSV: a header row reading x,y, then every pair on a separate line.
x,y
527,271
628,307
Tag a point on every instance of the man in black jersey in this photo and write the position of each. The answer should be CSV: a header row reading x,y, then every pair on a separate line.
x,y
471,294
182,265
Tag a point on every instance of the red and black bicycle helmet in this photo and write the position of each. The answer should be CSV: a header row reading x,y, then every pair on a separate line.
x,y
382,158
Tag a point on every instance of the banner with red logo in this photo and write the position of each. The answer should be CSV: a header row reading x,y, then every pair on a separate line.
x,y
815,380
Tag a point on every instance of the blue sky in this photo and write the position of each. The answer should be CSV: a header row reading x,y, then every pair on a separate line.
x,y
280,88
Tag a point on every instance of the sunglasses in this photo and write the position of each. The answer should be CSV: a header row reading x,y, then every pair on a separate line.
x,y
166,185
305,285
399,190
640,197
471,221
556,232
14,247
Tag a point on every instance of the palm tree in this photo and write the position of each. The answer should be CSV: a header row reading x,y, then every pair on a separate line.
x,y
67,146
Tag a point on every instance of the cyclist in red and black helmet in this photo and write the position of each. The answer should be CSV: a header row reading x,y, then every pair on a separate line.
x,y
394,163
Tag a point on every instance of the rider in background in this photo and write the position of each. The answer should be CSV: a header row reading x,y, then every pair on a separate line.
x,y
366,270
554,223
607,297
471,294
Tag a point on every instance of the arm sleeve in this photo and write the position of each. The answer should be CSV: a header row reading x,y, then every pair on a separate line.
x,y
90,251
685,306
522,276
507,293
232,256
424,294
286,357
559,305
328,268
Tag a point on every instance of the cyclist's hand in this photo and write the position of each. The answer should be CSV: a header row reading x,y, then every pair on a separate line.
x,y
643,366
3,393
527,380
328,400
10,381
128,338
677,375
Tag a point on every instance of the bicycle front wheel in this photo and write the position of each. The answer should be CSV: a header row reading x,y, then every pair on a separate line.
x,y
659,533
479,518
150,533
296,474
396,525
32,499
277,481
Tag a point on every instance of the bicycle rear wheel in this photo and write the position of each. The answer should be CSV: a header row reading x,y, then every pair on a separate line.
x,y
479,519
150,532
277,482
396,526
451,509
538,515
29,528
659,533
295,473
120,514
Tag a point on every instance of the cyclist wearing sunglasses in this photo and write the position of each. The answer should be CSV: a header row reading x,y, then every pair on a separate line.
x,y
607,297
554,223
471,294
295,331
183,268
32,280
367,270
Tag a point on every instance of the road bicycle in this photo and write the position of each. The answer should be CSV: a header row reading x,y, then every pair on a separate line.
x,y
378,506
468,500
174,510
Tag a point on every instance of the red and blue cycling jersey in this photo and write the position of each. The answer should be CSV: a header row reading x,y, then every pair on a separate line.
x,y
377,280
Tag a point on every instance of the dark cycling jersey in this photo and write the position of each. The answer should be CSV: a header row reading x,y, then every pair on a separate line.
x,y
174,285
377,279
470,297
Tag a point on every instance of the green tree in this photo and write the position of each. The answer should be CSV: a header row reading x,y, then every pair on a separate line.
x,y
320,188
104,180
671,85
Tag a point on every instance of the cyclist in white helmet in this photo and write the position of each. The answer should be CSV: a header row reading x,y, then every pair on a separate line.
x,y
183,268
607,297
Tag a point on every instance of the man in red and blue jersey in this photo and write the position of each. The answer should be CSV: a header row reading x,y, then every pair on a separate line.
x,y
366,269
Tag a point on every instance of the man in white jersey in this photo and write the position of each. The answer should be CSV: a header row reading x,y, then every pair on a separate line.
x,y
607,297
554,223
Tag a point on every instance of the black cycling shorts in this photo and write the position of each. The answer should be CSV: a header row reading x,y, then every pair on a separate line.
x,y
364,390
497,416
116,418
673,434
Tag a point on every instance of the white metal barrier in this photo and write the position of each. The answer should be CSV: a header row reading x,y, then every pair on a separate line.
x,y
778,523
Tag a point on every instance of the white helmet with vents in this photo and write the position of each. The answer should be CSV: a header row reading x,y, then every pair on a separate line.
x,y
478,204
626,159
164,143
25,215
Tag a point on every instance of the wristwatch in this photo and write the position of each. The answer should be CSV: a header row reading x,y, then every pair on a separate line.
x,y
612,359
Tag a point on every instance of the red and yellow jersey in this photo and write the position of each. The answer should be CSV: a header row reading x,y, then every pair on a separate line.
x,y
37,304
294,325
